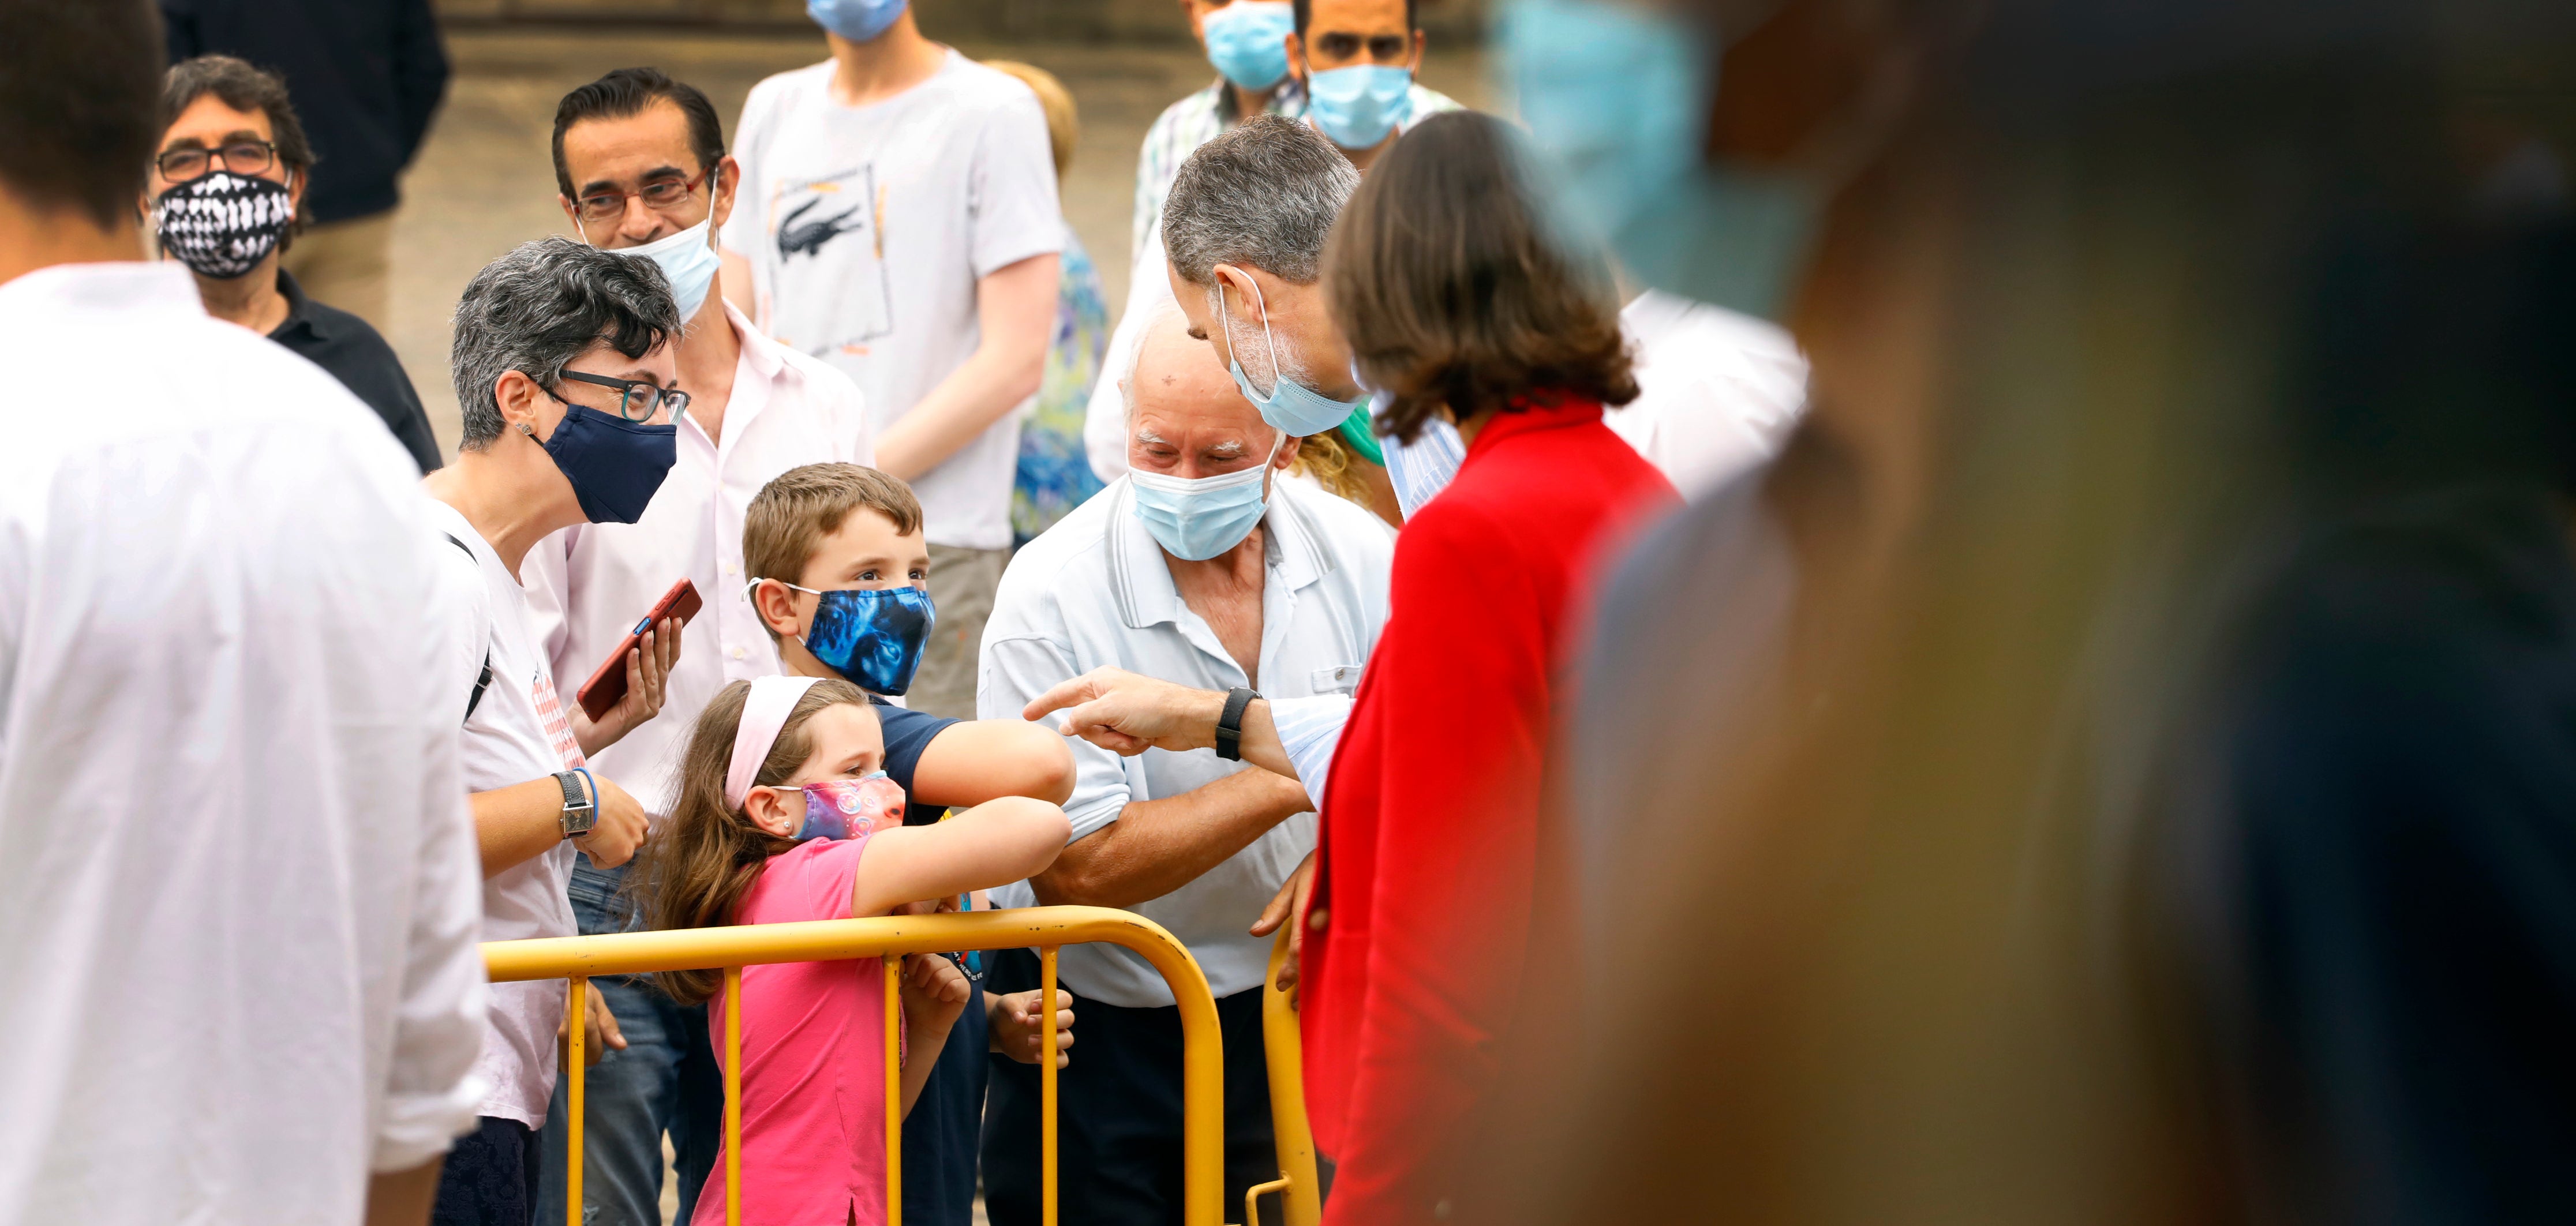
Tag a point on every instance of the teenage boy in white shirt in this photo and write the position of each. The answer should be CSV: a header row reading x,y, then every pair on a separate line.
x,y
900,221
566,387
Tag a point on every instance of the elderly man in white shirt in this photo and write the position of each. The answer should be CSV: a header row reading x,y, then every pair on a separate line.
x,y
237,881
1202,566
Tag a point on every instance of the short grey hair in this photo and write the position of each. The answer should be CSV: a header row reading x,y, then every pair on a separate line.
x,y
1263,195
541,306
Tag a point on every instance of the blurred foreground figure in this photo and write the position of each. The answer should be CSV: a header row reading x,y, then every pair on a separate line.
x,y
2117,765
237,885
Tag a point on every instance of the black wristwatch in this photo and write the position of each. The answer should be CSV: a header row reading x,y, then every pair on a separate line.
x,y
580,809
1229,726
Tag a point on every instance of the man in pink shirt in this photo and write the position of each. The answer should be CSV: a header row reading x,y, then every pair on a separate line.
x,y
641,167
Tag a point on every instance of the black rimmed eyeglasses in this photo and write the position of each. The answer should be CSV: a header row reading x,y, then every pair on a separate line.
x,y
242,157
636,399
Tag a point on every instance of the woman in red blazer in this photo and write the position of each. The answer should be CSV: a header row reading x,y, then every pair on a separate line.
x,y
1463,309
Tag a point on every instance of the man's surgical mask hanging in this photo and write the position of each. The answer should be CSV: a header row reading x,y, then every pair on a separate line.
x,y
687,259
1290,407
221,225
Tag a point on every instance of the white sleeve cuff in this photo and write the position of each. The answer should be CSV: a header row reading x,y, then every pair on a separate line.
x,y
1310,729
418,1127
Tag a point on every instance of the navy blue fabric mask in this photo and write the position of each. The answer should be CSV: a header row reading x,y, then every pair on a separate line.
x,y
614,465
871,637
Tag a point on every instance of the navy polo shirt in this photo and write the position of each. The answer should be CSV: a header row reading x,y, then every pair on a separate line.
x,y
941,1135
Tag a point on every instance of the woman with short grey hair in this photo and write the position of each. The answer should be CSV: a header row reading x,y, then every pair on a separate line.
x,y
564,371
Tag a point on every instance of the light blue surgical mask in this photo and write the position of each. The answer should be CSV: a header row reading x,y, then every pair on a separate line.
x,y
1289,406
1356,107
1619,98
859,21
1197,518
687,259
1247,41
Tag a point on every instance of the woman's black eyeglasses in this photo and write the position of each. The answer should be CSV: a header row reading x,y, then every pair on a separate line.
x,y
242,157
636,399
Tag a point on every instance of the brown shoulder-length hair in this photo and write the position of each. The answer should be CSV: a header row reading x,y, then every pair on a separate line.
x,y
1455,291
706,855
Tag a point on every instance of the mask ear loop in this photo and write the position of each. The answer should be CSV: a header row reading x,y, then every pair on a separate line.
x,y
1278,369
754,585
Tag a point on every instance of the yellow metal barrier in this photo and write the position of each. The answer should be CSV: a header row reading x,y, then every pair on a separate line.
x,y
1301,1200
1202,1058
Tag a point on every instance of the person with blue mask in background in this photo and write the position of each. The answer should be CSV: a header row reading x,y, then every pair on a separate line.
x,y
1247,44
641,171
1616,98
1203,564
899,221
1356,61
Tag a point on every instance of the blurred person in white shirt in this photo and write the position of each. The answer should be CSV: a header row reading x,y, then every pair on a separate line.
x,y
899,221
1717,390
566,385
236,876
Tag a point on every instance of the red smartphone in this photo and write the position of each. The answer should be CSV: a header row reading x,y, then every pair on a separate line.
x,y
608,685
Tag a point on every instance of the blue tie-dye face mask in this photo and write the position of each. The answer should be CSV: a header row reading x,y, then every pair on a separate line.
x,y
872,637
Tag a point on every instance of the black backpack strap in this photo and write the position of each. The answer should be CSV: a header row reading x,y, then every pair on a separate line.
x,y
483,682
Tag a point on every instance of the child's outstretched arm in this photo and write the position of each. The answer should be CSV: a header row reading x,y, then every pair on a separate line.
x,y
985,759
992,844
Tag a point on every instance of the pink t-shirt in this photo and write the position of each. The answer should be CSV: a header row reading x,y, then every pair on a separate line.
x,y
813,1060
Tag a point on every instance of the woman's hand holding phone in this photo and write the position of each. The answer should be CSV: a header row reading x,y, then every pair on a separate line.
x,y
648,670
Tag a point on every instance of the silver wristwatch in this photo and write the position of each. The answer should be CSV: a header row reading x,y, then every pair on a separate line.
x,y
580,810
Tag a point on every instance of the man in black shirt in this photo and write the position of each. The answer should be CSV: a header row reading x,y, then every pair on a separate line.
x,y
226,197
369,74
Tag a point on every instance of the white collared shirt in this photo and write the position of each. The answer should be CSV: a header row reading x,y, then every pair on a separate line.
x,y
1717,391
1095,590
238,891
786,409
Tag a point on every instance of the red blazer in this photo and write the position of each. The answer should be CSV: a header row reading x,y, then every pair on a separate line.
x,y
1429,851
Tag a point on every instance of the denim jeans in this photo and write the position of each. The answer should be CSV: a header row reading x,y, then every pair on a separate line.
x,y
665,1080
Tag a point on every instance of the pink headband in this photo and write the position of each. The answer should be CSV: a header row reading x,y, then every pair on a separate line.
x,y
764,710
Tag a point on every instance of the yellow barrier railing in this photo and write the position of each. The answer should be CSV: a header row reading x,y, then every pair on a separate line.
x,y
1301,1200
1045,928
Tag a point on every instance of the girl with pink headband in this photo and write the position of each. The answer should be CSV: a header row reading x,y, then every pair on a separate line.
x,y
784,814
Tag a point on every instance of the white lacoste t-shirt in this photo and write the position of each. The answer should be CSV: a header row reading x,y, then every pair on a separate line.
x,y
867,228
